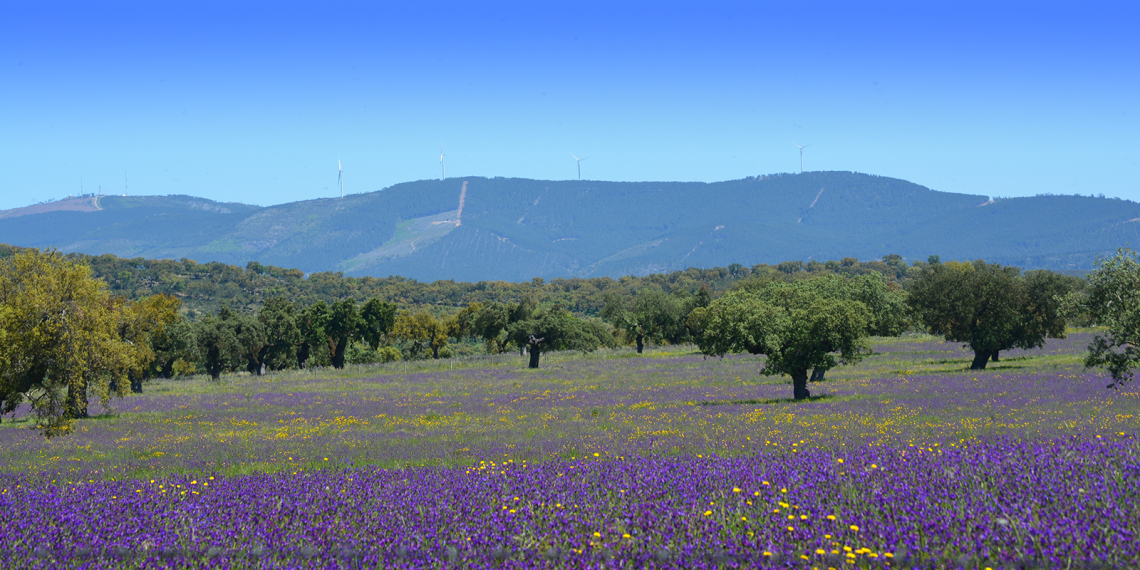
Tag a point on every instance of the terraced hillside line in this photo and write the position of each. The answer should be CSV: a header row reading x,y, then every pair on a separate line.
x,y
462,196
816,198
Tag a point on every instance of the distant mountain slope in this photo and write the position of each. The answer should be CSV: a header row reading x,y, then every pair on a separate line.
x,y
515,229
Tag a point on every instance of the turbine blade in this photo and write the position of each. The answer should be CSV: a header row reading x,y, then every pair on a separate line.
x,y
575,158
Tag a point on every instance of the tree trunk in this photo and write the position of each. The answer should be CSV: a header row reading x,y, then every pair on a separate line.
x,y
252,365
214,363
799,384
302,355
338,358
262,355
77,400
817,374
136,383
534,354
168,368
640,342
981,357
994,357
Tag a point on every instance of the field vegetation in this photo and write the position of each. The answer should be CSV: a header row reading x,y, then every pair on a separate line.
x,y
662,459
958,425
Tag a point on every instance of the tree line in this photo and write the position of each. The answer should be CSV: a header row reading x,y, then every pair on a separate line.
x,y
204,287
64,334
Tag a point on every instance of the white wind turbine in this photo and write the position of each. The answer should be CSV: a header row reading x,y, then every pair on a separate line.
x,y
442,166
340,177
579,164
802,155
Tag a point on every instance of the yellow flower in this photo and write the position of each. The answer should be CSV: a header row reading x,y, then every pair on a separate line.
x,y
736,489
597,535
854,528
830,517
840,460
707,513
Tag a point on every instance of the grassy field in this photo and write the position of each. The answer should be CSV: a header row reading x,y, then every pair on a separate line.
x,y
677,448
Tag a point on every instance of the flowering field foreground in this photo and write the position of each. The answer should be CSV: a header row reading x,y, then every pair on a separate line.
x,y
666,460
1065,503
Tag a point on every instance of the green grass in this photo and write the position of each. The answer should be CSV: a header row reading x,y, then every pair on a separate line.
x,y
669,400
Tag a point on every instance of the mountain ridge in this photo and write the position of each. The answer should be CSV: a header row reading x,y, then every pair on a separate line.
x,y
514,229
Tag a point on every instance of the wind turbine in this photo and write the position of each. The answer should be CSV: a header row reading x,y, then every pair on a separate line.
x,y
442,166
579,164
802,155
340,177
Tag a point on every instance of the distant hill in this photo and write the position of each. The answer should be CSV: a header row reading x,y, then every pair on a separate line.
x,y
515,229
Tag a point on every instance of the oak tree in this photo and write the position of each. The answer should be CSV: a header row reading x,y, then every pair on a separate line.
x,y
795,327
990,307
60,336
1113,301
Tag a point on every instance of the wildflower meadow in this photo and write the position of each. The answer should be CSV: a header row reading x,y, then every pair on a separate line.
x,y
667,459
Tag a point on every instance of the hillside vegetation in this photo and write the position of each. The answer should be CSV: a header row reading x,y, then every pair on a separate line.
x,y
513,229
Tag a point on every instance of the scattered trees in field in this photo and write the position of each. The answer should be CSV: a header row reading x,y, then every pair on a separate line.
x,y
1113,301
797,326
989,307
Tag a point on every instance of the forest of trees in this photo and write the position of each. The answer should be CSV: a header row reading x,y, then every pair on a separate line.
x,y
142,319
204,287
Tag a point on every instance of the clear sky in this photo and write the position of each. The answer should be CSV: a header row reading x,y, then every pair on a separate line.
x,y
256,101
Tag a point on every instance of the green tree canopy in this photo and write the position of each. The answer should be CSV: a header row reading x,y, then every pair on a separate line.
x,y
314,340
493,320
557,329
278,318
989,307
61,335
218,346
143,324
377,319
423,331
651,315
1113,301
795,326
344,324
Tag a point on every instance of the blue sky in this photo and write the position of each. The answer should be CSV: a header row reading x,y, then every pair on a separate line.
x,y
256,103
